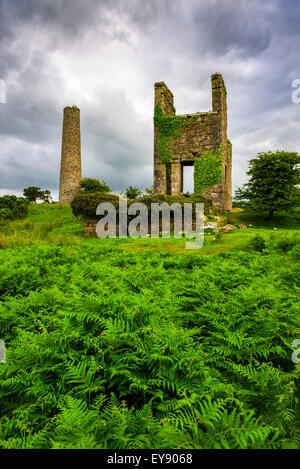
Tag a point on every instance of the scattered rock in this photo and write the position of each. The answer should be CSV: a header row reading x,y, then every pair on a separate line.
x,y
242,227
210,225
275,228
227,228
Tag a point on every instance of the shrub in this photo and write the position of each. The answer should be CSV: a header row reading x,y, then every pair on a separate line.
x,y
295,252
91,185
257,243
12,207
171,199
285,244
85,205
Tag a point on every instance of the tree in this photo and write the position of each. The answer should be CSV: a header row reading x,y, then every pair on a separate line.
x,y
46,197
89,185
133,192
273,182
33,193
149,190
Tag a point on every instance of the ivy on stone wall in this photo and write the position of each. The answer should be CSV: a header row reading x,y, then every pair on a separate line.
x,y
207,170
168,129
230,149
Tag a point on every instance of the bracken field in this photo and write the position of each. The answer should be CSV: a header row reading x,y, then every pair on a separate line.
x,y
140,343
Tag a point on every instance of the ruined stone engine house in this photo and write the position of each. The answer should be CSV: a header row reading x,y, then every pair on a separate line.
x,y
198,140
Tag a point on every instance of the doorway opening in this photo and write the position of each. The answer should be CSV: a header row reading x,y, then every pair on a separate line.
x,y
168,178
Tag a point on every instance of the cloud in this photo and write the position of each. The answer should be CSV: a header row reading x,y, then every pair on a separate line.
x,y
105,56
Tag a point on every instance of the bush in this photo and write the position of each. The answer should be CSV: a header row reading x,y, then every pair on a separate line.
x,y
85,205
257,243
91,185
171,199
149,190
12,207
285,244
295,252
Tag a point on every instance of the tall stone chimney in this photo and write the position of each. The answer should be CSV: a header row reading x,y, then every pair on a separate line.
x,y
70,168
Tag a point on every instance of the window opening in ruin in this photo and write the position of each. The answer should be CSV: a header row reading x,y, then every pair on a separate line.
x,y
188,178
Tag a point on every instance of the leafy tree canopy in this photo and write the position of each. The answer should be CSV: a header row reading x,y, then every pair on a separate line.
x,y
133,192
33,193
89,185
273,182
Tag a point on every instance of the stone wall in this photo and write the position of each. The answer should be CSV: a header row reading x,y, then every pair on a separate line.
x,y
90,227
199,132
70,169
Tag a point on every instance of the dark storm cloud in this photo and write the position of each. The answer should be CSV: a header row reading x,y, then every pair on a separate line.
x,y
71,16
105,56
243,26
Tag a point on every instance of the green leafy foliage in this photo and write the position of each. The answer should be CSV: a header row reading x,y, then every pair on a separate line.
x,y
108,348
133,192
172,199
12,207
46,196
85,205
273,184
230,149
32,193
257,243
91,185
168,128
149,190
207,170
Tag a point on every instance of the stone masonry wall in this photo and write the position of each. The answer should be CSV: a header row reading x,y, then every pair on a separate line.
x,y
70,169
200,132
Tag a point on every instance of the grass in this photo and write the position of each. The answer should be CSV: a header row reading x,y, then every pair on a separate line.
x,y
55,224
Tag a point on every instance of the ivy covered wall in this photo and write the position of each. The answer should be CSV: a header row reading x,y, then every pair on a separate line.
x,y
169,128
208,170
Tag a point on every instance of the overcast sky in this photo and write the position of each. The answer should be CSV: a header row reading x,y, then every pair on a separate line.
x,y
105,55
